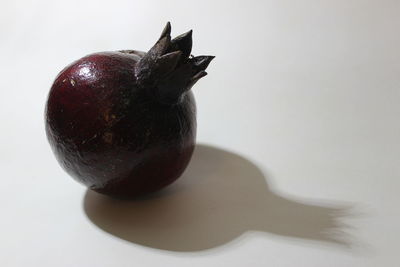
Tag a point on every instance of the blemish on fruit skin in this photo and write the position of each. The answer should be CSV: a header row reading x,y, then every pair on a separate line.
x,y
108,137
148,132
108,117
64,80
87,140
72,82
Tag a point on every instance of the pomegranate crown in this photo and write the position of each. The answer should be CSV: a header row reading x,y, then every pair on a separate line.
x,y
168,67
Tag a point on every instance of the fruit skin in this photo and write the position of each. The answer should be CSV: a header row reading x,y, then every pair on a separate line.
x,y
113,129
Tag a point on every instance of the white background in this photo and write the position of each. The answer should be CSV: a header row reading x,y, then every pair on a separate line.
x,y
304,93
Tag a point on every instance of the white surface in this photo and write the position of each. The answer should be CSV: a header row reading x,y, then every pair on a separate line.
x,y
308,91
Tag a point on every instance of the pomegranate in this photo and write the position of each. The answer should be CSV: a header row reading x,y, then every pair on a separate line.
x,y
123,123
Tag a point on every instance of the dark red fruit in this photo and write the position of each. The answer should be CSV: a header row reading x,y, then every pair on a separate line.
x,y
124,123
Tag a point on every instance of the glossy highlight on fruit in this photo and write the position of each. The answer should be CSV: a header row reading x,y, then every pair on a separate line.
x,y
124,123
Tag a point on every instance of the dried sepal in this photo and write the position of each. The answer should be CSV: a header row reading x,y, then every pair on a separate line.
x,y
167,68
166,31
201,62
183,43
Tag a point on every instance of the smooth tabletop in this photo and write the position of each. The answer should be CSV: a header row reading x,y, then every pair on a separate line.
x,y
297,162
